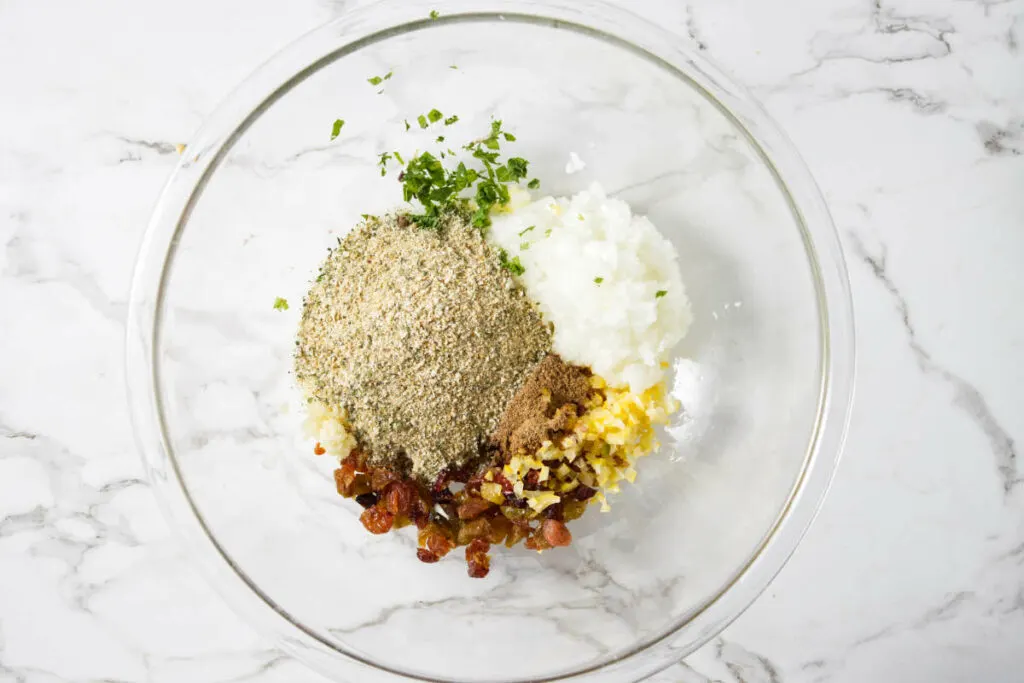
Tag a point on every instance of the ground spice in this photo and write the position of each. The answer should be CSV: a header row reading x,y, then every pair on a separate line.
x,y
545,404
421,337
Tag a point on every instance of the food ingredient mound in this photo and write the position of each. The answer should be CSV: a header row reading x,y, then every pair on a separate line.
x,y
606,279
420,338
547,403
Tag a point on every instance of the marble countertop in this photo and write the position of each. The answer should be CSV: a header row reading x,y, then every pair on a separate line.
x,y
910,113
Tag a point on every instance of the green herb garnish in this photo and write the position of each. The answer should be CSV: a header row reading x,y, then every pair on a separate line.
x,y
383,163
513,265
280,304
336,128
399,159
453,67
438,189
440,138
661,293
533,184
407,126
450,120
523,232
598,280
377,80
434,14
422,120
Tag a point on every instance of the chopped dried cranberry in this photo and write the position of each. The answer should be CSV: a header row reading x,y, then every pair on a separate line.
x,y
531,480
367,500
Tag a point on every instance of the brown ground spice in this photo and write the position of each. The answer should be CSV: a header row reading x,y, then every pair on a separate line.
x,y
548,399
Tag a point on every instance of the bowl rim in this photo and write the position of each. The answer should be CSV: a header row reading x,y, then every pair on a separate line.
x,y
389,18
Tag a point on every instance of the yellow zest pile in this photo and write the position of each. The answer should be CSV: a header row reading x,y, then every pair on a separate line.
x,y
616,428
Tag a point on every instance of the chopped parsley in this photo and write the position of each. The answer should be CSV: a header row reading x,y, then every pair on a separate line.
x,y
523,232
280,304
523,246
399,159
434,14
407,126
450,120
437,188
440,138
336,128
661,293
422,120
533,184
434,115
512,265
383,163
598,280
453,67
377,80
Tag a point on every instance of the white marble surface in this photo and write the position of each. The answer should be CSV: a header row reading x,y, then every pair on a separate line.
x,y
909,112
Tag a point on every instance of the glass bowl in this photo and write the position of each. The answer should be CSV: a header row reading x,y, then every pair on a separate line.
x,y
764,376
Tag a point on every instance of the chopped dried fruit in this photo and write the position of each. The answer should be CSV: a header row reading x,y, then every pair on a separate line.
x,y
556,511
517,533
344,479
556,533
474,507
377,520
425,555
477,559
434,539
398,497
470,531
318,449
498,529
537,541
381,477
367,500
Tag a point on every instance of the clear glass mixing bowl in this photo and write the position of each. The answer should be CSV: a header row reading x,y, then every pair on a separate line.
x,y
765,375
